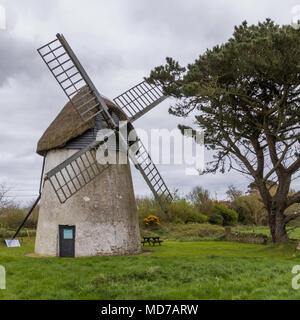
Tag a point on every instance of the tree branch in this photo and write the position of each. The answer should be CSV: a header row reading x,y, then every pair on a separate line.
x,y
295,198
291,217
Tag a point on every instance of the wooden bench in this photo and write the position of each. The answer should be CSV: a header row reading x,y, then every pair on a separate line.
x,y
156,240
151,240
146,240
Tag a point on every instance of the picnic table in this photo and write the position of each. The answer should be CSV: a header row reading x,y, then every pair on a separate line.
x,y
151,240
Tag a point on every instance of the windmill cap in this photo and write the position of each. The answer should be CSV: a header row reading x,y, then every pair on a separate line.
x,y
69,125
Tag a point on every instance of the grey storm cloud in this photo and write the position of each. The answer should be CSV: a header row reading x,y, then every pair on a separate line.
x,y
118,42
16,59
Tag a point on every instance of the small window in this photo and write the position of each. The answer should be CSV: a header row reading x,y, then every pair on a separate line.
x,y
68,233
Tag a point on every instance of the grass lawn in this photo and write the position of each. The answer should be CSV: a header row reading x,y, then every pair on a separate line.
x,y
176,270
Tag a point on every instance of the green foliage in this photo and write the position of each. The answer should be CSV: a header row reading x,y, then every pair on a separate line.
x,y
149,206
178,211
200,199
181,210
7,234
250,209
177,221
196,218
230,217
234,78
11,216
216,219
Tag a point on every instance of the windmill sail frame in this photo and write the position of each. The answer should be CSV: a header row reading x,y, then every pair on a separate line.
x,y
65,70
140,99
74,173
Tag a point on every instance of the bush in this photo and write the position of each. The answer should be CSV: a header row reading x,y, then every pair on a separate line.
x,y
8,234
196,218
216,219
148,206
177,221
11,218
151,221
181,210
144,213
251,210
230,217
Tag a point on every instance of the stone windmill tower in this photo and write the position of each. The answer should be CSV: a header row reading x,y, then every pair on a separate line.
x,y
87,206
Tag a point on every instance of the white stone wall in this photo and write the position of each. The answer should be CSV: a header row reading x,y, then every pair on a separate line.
x,y
106,224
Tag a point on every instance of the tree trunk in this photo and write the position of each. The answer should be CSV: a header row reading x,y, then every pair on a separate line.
x,y
277,226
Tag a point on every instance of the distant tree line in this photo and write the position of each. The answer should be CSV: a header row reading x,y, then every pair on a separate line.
x,y
12,213
241,207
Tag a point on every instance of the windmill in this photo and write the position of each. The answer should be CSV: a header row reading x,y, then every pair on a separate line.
x,y
75,180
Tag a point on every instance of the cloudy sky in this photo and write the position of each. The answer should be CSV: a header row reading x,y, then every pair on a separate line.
x,y
118,42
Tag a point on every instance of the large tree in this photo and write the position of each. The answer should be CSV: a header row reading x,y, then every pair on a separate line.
x,y
246,95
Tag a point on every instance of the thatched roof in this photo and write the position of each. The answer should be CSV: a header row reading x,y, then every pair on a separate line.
x,y
69,125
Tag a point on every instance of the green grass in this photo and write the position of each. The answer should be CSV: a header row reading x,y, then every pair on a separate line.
x,y
176,270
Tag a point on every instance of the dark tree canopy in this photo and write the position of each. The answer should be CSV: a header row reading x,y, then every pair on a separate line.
x,y
246,94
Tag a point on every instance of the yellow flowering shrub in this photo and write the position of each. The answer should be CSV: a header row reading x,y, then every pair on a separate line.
x,y
151,220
